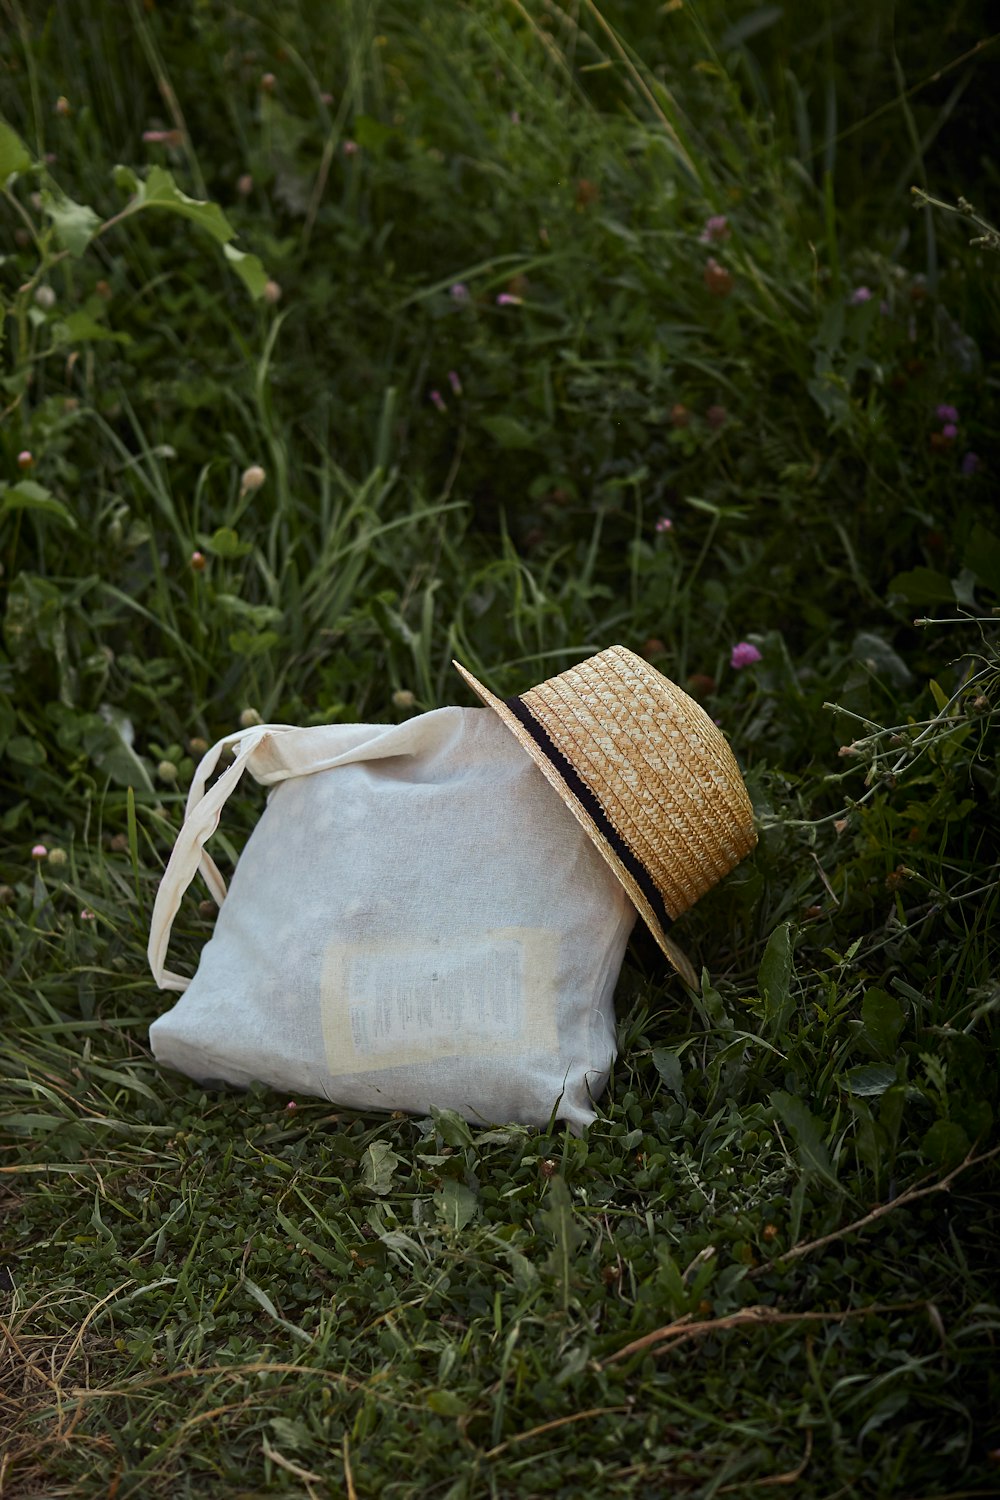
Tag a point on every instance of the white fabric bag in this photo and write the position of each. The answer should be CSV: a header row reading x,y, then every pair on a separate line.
x,y
416,920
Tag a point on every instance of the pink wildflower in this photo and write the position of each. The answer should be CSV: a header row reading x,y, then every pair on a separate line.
x,y
946,412
859,295
716,417
459,292
744,655
716,229
86,915
25,459
507,299
455,382
350,148
949,431
39,851
244,184
664,524
438,400
718,280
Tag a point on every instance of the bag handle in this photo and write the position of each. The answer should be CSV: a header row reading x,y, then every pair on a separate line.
x,y
201,819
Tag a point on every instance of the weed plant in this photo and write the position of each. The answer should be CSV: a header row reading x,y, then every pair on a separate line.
x,y
339,342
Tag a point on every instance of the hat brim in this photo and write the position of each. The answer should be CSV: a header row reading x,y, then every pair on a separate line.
x,y
679,960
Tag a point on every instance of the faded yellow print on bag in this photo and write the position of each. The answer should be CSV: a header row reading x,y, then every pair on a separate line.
x,y
404,1002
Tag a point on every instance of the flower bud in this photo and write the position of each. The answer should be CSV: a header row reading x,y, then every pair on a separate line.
x,y
167,771
244,185
39,851
252,479
272,292
58,857
198,562
249,718
402,698
45,297
24,459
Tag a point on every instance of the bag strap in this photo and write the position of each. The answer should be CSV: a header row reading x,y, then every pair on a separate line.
x,y
201,819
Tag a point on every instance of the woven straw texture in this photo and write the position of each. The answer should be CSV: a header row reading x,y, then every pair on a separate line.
x,y
661,771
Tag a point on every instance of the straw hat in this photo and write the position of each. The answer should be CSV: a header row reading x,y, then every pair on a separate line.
x,y
647,774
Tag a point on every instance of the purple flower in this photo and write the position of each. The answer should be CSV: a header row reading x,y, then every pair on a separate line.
x,y
460,292
438,400
946,413
350,148
664,524
859,295
949,431
454,382
744,655
716,229
970,463
507,299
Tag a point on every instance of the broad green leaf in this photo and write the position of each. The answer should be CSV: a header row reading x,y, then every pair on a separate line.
x,y
509,432
882,1017
880,658
945,1143
248,268
224,542
27,495
253,643
455,1203
668,1065
450,1126
871,1079
922,586
74,223
378,1166
14,154
25,751
807,1133
81,328
161,191
774,977
446,1404
983,556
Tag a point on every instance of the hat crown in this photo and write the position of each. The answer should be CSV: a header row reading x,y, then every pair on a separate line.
x,y
661,770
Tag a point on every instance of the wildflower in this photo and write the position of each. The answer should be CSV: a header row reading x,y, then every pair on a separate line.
x,y
717,279
267,82
507,299
402,698
716,229
198,562
272,292
252,479
39,851
25,459
455,382
86,915
196,745
769,1232
679,415
249,717
701,684
291,1107
58,858
171,138
716,417
744,655
438,400
167,771
970,463
244,184
664,524
949,431
118,843
63,106
946,412
350,148
45,297
859,295
459,292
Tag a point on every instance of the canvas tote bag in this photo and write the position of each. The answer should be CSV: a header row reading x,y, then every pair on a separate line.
x,y
435,913
415,920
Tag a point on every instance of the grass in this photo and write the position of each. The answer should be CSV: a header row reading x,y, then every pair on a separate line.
x,y
771,1260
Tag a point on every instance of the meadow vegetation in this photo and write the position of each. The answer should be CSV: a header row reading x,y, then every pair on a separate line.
x,y
343,340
